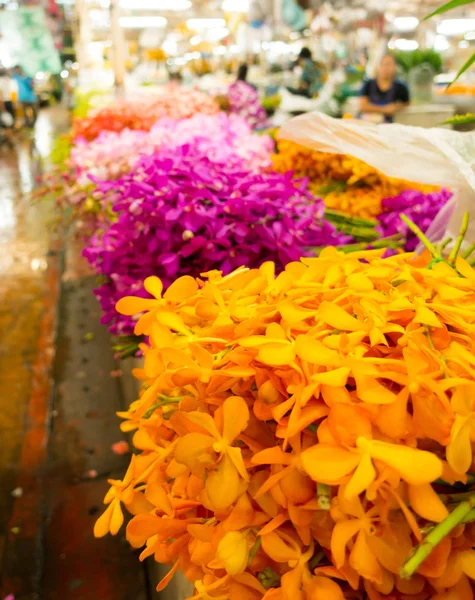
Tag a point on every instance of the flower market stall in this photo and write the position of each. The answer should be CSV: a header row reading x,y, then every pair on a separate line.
x,y
304,425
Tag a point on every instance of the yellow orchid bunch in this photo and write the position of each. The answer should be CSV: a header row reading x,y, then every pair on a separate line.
x,y
310,435
364,187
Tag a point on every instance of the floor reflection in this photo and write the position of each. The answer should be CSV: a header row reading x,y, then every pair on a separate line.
x,y
26,227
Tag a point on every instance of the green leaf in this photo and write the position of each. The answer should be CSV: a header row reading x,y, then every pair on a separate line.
x,y
446,7
460,120
466,66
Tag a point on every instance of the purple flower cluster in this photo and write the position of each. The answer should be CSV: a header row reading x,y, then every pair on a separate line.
x,y
181,213
420,208
244,101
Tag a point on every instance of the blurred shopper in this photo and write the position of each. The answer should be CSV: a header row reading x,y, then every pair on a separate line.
x,y
311,77
244,100
383,97
26,96
6,89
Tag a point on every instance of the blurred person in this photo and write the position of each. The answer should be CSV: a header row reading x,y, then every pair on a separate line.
x,y
383,97
243,99
311,77
6,88
26,96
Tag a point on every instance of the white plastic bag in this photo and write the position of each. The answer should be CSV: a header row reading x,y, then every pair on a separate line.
x,y
432,156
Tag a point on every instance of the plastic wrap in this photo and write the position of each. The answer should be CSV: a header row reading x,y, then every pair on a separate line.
x,y
432,156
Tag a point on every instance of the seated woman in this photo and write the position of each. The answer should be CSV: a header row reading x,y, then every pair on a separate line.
x,y
244,100
383,97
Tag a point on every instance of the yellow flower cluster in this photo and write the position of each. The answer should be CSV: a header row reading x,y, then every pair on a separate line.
x,y
364,189
298,435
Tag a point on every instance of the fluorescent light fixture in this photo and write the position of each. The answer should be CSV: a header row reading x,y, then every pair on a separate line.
x,y
175,5
217,33
241,6
405,23
441,43
143,22
403,44
456,26
199,24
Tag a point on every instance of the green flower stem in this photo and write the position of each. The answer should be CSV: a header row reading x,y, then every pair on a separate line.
x,y
254,550
460,238
324,496
416,231
456,497
470,517
444,245
165,400
469,251
434,537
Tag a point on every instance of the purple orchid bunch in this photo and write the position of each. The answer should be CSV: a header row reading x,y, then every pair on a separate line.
x,y
181,213
419,207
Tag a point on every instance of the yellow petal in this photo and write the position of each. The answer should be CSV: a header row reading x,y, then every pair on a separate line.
x,y
335,378
468,563
117,517
235,455
328,464
130,305
235,418
278,550
342,533
363,561
426,503
233,551
459,451
337,317
181,289
359,282
277,354
413,465
173,321
222,486
292,313
102,525
191,447
371,391
154,286
276,332
362,478
206,421
426,317
315,353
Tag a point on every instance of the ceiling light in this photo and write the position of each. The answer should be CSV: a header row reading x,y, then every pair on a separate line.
x,y
195,40
456,26
464,44
441,43
175,5
405,23
143,22
470,35
241,6
198,24
403,44
217,34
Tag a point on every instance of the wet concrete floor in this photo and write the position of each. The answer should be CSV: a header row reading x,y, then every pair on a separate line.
x,y
57,401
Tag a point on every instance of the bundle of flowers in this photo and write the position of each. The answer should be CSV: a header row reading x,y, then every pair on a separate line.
x,y
307,436
181,213
177,103
244,100
221,137
346,183
420,208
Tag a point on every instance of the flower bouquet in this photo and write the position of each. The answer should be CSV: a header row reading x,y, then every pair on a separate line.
x,y
307,435
181,213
